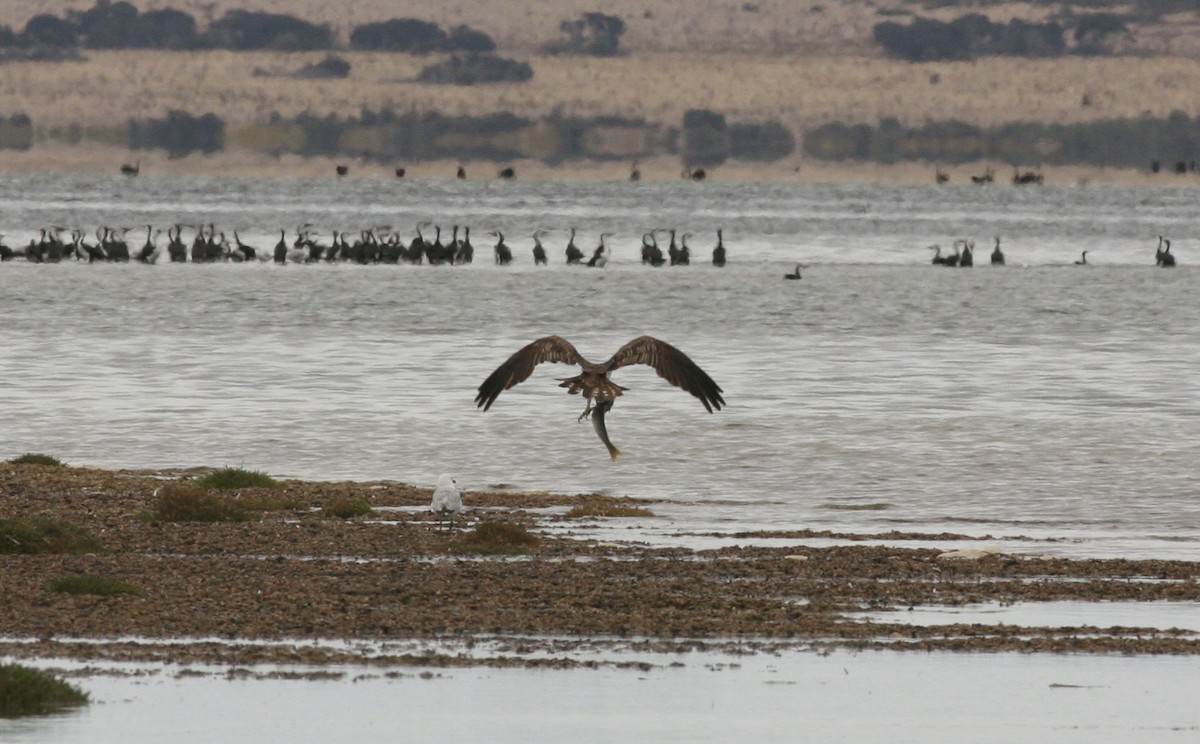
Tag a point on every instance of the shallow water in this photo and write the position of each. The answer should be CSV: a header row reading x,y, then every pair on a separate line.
x,y
1129,614
1040,400
905,697
1038,408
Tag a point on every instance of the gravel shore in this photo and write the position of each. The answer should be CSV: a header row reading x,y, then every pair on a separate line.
x,y
281,586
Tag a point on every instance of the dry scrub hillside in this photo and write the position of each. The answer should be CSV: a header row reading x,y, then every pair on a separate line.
x,y
527,25
803,63
112,87
748,26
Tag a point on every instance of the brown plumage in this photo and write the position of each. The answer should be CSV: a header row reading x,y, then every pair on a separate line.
x,y
593,382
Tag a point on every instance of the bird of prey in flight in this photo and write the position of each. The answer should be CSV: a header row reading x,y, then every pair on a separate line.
x,y
593,382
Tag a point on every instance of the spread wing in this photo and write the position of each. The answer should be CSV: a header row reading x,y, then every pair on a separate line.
x,y
520,366
672,365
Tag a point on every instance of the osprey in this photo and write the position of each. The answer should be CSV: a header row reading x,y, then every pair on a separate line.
x,y
593,382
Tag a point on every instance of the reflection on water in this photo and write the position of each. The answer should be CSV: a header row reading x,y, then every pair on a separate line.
x,y
1036,399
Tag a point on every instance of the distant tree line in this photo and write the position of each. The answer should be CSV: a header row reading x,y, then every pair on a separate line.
x,y
705,138
120,25
974,35
708,140
595,34
411,35
1117,143
388,135
16,132
179,133
330,67
475,69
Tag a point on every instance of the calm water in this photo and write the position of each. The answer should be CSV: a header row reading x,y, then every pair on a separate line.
x,y
882,696
1039,399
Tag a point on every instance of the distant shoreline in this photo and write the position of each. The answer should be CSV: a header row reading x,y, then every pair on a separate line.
x,y
99,160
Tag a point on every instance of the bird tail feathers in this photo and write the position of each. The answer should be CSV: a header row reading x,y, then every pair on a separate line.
x,y
604,390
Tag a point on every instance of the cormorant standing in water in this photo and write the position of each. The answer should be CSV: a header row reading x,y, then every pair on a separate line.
x,y
600,255
651,253
574,255
967,256
1168,259
997,254
503,254
281,248
719,251
1162,256
466,251
539,253
940,260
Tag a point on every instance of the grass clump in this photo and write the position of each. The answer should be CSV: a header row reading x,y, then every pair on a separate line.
x,y
101,586
497,538
231,478
346,508
607,510
31,692
45,535
183,502
31,458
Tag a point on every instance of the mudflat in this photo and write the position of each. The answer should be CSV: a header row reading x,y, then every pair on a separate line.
x,y
294,574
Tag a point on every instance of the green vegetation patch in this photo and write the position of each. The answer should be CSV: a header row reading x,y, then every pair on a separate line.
x,y
45,535
497,538
30,458
346,508
183,502
31,692
101,586
231,478
189,502
16,132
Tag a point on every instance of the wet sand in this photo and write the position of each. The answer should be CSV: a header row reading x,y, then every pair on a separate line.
x,y
283,588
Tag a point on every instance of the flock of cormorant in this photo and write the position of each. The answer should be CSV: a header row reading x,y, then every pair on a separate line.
x,y
371,246
380,245
964,255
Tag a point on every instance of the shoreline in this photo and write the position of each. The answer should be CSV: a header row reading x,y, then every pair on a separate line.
x,y
280,585
99,161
